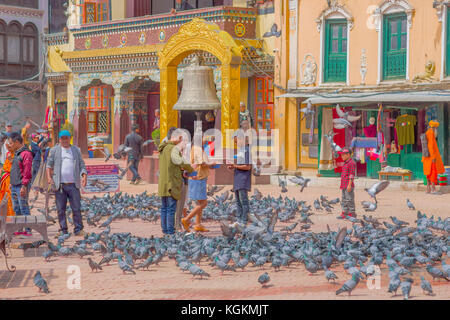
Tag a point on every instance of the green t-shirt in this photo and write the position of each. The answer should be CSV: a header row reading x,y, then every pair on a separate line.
x,y
405,129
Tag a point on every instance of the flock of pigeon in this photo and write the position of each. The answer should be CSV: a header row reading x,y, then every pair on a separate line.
x,y
404,249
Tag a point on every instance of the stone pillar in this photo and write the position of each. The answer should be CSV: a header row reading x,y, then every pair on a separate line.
x,y
293,38
117,113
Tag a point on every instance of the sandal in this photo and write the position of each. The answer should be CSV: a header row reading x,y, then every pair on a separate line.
x,y
185,224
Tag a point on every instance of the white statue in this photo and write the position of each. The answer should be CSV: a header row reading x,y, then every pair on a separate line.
x,y
309,70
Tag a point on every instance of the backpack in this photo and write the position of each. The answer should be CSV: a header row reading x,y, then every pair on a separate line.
x,y
424,143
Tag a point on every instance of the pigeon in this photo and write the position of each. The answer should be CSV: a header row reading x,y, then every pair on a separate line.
x,y
410,205
376,189
349,285
197,271
264,279
273,32
334,146
369,206
107,258
94,265
282,184
40,282
146,264
341,123
329,275
426,286
124,266
436,273
394,284
106,153
405,286
346,115
308,110
303,182
446,268
317,205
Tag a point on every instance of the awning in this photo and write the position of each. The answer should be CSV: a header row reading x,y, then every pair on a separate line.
x,y
380,97
296,95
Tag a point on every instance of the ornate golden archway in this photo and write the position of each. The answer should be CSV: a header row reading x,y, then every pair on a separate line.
x,y
196,35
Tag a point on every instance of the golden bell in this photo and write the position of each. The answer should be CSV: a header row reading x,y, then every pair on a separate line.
x,y
199,90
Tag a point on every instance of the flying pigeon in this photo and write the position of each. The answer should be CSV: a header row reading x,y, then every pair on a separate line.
x,y
263,279
40,282
106,153
308,110
376,189
346,115
303,182
335,147
273,32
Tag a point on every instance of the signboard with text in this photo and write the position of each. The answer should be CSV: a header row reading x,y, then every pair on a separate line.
x,y
102,178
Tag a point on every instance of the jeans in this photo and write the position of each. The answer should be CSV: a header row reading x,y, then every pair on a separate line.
x,y
243,205
169,205
70,191
348,201
20,205
134,168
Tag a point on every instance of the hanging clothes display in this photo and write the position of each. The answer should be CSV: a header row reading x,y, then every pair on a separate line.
x,y
326,156
405,129
339,138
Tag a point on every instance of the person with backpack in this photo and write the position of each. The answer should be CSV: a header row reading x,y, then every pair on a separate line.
x,y
20,177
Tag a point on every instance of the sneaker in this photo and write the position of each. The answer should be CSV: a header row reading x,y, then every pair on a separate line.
x,y
131,182
185,224
200,228
27,234
139,180
80,233
353,215
340,217
18,233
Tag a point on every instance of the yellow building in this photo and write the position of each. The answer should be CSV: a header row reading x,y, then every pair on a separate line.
x,y
118,61
386,59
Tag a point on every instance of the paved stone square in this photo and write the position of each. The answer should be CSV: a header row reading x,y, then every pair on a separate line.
x,y
167,281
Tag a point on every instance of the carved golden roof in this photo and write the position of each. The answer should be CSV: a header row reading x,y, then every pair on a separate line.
x,y
111,52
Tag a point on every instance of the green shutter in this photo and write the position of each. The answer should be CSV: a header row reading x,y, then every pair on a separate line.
x,y
335,66
447,51
394,46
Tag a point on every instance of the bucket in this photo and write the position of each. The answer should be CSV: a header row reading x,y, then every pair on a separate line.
x,y
442,179
91,153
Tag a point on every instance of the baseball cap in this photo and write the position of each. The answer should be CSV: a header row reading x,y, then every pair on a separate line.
x,y
64,133
8,124
344,150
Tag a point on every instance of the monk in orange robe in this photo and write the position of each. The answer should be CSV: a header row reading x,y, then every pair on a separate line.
x,y
4,182
432,165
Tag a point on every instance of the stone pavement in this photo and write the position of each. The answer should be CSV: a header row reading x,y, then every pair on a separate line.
x,y
167,281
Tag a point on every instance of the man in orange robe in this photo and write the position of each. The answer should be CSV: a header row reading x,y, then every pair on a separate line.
x,y
4,181
432,165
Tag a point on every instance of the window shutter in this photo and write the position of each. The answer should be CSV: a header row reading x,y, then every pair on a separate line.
x,y
335,66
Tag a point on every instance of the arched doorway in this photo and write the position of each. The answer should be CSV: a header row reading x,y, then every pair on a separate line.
x,y
200,35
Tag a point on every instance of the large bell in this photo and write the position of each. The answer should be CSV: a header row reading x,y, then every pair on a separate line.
x,y
199,91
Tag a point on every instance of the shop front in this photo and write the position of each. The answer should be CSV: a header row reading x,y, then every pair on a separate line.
x,y
383,130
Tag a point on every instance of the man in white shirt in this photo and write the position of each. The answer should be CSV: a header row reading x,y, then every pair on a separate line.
x,y
67,173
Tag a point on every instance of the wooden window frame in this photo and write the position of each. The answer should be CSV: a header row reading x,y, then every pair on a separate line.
x,y
387,51
340,55
265,104
94,107
98,14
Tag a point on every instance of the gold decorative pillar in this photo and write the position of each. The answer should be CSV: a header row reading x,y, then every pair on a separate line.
x,y
231,91
168,98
